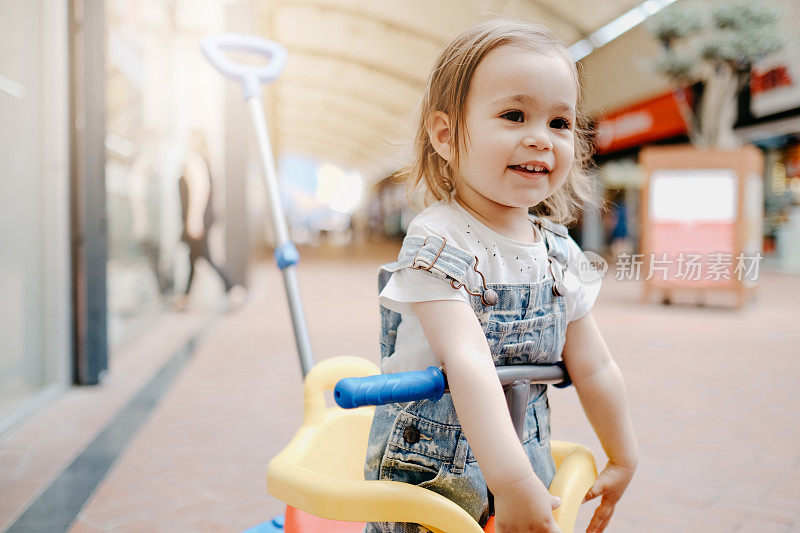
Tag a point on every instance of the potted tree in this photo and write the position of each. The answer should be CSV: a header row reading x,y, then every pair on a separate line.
x,y
703,202
715,44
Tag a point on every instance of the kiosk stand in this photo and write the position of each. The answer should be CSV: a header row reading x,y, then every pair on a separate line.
x,y
701,220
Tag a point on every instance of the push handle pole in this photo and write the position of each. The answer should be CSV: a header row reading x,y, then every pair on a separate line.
x,y
286,255
251,77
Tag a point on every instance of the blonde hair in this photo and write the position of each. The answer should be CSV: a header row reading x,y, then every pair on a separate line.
x,y
446,91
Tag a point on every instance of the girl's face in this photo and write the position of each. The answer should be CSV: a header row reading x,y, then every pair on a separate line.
x,y
520,115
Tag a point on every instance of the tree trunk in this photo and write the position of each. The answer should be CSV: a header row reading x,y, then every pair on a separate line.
x,y
718,108
688,115
726,137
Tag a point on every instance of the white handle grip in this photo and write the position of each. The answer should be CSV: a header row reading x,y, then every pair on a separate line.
x,y
250,76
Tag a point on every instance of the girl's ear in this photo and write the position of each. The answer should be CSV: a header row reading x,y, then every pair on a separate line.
x,y
439,132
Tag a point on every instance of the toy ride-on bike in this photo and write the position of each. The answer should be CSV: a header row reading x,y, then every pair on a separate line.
x,y
320,473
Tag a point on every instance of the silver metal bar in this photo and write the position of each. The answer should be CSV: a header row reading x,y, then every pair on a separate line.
x,y
517,399
281,233
276,212
536,374
298,319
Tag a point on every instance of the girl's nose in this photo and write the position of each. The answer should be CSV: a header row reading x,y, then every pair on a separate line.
x,y
538,140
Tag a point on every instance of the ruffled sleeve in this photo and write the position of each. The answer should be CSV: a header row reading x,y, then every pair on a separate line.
x,y
431,282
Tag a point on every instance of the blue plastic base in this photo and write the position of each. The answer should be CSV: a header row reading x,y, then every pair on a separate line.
x,y
273,526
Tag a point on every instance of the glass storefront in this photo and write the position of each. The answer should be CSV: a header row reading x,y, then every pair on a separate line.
x,y
136,283
157,93
157,98
34,215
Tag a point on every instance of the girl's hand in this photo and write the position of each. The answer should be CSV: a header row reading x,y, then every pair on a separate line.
x,y
610,484
526,508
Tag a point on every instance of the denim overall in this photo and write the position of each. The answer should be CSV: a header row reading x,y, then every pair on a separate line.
x,y
421,442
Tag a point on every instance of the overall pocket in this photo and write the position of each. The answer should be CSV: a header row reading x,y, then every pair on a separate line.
x,y
530,340
420,450
442,463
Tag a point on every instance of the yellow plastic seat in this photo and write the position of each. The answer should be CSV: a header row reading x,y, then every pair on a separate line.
x,y
321,471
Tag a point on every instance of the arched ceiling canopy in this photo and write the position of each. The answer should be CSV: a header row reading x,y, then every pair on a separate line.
x,y
357,68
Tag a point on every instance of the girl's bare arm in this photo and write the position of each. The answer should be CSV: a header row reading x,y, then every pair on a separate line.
x,y
601,390
456,337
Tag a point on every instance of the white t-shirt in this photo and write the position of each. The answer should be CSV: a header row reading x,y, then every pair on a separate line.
x,y
500,260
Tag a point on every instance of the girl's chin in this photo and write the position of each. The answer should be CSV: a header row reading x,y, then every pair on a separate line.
x,y
522,201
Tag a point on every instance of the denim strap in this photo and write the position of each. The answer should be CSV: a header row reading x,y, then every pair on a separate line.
x,y
433,254
555,238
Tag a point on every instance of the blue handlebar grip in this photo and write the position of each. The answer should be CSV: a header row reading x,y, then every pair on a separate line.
x,y
390,388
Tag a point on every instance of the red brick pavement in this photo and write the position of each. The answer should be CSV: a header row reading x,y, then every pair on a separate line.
x,y
33,454
712,391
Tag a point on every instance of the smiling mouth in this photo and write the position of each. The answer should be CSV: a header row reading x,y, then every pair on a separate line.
x,y
532,170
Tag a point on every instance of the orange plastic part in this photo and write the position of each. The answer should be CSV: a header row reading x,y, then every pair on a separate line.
x,y
297,521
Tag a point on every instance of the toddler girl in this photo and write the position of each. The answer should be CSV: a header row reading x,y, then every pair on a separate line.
x,y
486,276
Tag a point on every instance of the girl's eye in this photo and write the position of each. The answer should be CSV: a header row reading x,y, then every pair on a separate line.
x,y
514,116
560,124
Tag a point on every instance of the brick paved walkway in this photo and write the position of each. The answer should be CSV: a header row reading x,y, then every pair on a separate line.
x,y
713,392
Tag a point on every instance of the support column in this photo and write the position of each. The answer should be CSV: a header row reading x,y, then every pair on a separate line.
x,y
88,190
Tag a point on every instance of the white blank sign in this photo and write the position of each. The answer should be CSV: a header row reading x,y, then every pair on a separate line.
x,y
693,195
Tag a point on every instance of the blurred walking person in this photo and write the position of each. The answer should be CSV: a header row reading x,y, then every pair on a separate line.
x,y
198,217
